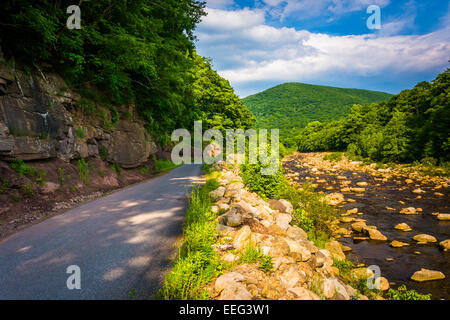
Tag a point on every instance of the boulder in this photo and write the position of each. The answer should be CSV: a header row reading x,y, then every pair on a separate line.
x,y
424,238
335,250
283,220
427,275
403,227
409,210
296,233
359,226
231,219
334,198
227,279
398,244
281,205
236,291
445,245
295,247
301,293
130,145
218,193
443,216
375,234
242,238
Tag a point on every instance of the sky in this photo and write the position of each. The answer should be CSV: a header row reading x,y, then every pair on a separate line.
x,y
257,44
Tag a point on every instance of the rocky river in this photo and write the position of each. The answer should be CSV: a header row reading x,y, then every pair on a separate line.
x,y
396,205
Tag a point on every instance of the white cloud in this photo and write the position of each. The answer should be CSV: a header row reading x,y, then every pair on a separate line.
x,y
223,20
314,8
246,50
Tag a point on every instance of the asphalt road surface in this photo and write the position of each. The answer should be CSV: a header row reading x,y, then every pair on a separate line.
x,y
119,244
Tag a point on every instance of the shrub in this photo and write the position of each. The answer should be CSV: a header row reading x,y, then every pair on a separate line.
x,y
402,293
24,169
163,165
103,152
255,255
267,186
83,168
80,133
333,157
144,171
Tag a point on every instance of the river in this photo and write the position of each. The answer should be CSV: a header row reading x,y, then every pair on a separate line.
x,y
385,195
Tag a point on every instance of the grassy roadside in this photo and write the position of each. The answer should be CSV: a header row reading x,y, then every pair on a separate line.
x,y
197,261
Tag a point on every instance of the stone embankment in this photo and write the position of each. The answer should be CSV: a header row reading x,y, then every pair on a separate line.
x,y
301,270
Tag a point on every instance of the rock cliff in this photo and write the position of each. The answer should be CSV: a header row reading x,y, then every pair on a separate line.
x,y
41,118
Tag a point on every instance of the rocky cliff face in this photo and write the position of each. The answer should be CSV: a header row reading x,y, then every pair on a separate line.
x,y
40,119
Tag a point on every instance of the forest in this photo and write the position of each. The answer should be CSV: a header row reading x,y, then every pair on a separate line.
x,y
137,52
291,106
412,125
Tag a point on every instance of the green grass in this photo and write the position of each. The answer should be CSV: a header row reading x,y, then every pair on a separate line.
x,y
80,133
83,168
197,262
162,165
24,169
255,255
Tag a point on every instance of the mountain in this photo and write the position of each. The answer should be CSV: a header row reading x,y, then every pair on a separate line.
x,y
290,106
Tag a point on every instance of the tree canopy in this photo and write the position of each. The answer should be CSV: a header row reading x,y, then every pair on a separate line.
x,y
139,51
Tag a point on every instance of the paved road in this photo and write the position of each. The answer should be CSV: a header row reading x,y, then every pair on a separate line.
x,y
120,243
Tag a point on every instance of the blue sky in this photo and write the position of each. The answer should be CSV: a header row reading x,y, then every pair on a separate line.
x,y
257,44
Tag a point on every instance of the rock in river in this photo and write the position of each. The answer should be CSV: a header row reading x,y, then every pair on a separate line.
x,y
424,238
444,216
427,275
403,227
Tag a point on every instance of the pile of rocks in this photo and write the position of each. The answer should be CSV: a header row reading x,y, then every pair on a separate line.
x,y
301,271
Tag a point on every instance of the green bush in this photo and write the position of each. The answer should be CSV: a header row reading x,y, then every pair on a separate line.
x,y
162,165
333,157
24,169
267,186
80,133
83,168
402,293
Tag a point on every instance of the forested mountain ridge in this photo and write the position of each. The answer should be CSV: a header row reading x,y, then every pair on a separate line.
x,y
412,125
291,106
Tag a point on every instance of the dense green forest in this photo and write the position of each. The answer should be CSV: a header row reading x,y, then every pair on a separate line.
x,y
291,106
138,51
412,125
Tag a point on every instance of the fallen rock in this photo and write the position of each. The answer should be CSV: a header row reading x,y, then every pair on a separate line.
x,y
296,233
227,279
235,291
283,220
218,193
242,238
282,205
302,293
427,275
335,250
231,219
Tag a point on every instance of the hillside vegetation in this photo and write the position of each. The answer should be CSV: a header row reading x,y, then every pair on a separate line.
x,y
291,106
412,125
136,52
